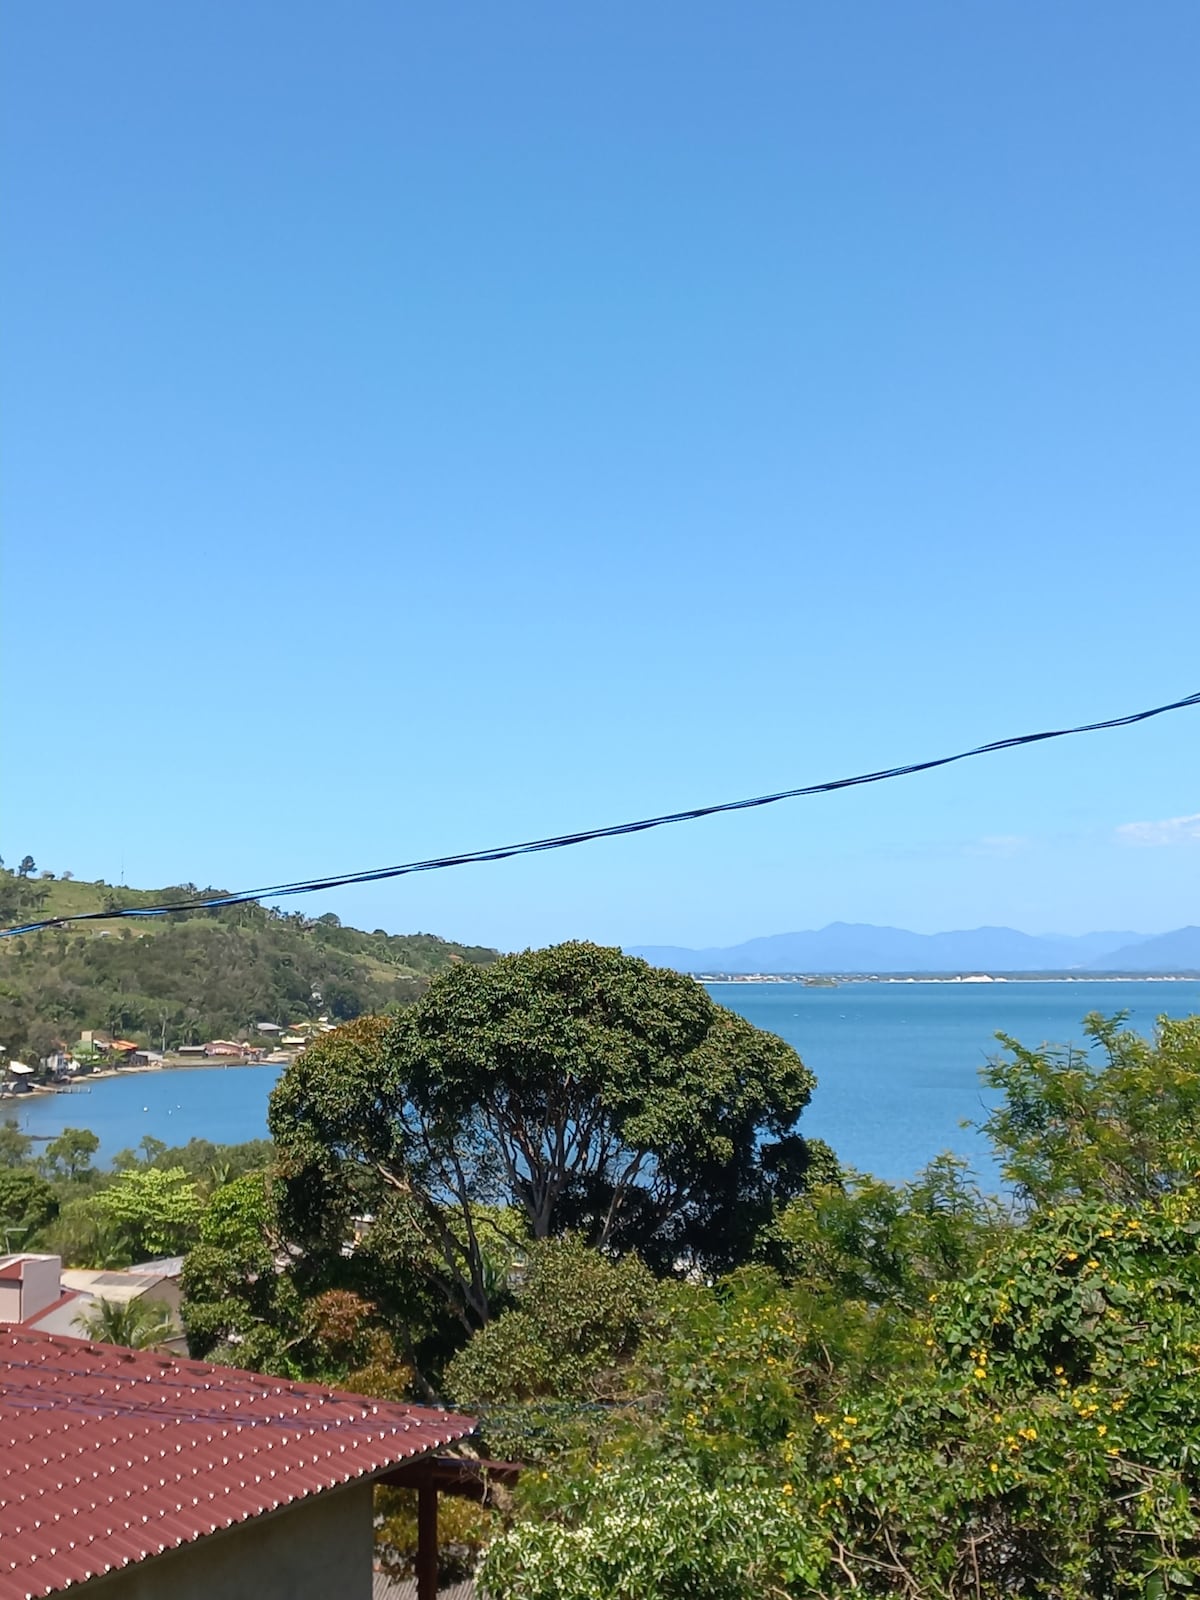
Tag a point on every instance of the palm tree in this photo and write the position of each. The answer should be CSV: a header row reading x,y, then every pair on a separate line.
x,y
137,1324
219,1174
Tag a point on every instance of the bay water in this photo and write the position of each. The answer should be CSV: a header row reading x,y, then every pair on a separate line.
x,y
897,1067
898,1064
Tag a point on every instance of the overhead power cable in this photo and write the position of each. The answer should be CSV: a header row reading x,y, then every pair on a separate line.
x,y
279,891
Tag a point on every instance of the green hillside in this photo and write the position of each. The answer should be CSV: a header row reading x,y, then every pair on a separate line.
x,y
200,975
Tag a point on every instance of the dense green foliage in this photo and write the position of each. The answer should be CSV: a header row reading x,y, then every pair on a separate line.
x,y
860,1240
15,1146
148,1204
565,1345
181,980
155,1209
27,1204
1126,1134
573,1089
1029,1424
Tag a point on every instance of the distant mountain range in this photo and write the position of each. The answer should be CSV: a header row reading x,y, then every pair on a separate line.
x,y
1168,952
859,947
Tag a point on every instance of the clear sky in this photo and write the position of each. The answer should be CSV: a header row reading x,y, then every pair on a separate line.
x,y
430,426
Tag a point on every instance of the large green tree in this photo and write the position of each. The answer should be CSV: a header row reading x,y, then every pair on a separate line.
x,y
575,1088
70,1155
158,1210
1120,1122
27,1203
14,1145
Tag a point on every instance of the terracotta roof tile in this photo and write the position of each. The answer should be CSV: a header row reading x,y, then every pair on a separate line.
x,y
109,1456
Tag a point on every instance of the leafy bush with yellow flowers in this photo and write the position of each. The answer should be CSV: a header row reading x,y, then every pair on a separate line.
x,y
1031,1428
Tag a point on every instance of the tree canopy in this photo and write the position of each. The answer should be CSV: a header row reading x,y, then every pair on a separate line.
x,y
568,1089
27,1203
71,1154
156,1209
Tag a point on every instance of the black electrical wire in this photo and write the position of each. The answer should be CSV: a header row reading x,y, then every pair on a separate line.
x,y
561,841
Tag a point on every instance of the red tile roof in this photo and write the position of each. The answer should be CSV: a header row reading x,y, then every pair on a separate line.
x,y
109,1456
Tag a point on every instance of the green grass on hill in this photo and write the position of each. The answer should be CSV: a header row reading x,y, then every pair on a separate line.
x,y
196,976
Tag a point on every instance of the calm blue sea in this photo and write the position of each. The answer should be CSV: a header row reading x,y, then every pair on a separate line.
x,y
897,1066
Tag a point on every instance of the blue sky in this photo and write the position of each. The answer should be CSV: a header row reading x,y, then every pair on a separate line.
x,y
427,427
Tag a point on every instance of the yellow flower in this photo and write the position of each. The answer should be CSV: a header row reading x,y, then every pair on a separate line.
x,y
850,1422
1072,1255
1090,1266
992,1467
1112,1451
1102,1429
787,1489
837,1482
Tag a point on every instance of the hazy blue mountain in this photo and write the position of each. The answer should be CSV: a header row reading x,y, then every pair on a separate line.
x,y
1091,946
1169,952
861,947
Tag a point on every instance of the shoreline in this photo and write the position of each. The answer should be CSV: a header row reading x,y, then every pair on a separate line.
x,y
84,1081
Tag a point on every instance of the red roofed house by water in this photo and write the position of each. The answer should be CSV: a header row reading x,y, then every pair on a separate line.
x,y
130,1475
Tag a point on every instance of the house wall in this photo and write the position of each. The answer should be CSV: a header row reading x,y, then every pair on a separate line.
x,y
33,1291
39,1283
317,1549
168,1292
